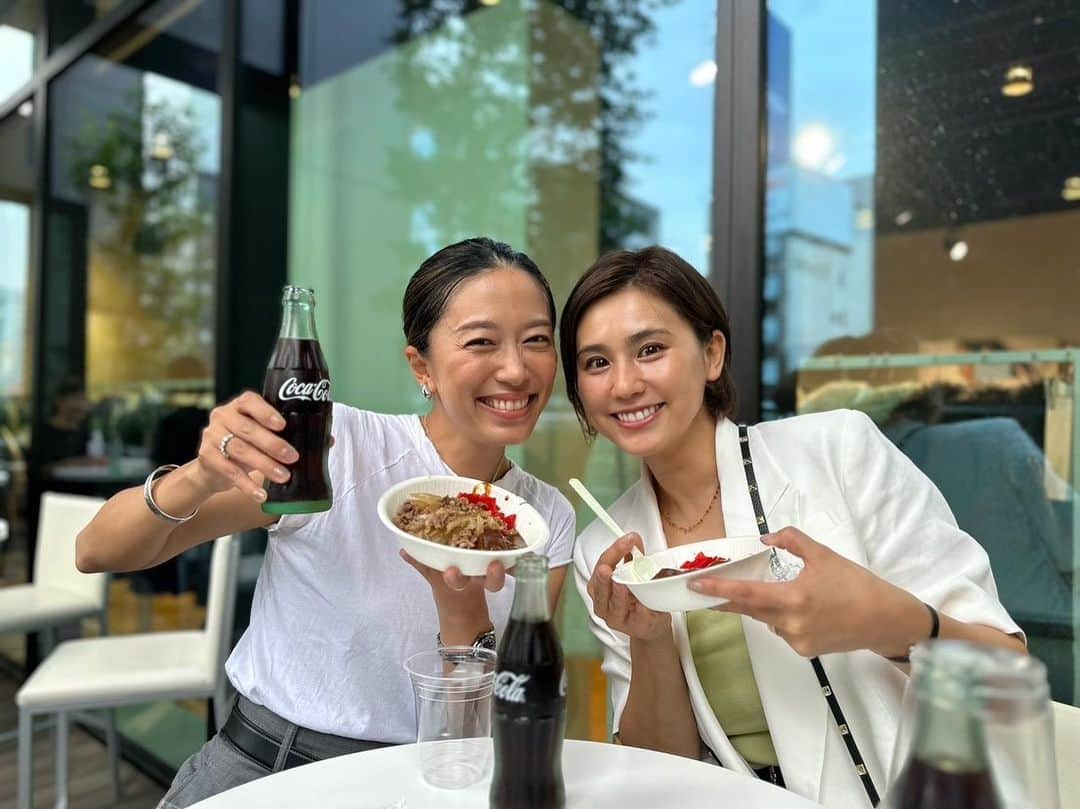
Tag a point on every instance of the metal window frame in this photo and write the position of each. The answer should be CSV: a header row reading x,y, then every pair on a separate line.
x,y
47,68
736,270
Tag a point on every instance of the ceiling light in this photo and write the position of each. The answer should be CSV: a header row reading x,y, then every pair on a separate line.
x,y
813,146
489,2
1019,81
294,89
99,177
903,218
864,219
956,247
704,74
26,109
1070,192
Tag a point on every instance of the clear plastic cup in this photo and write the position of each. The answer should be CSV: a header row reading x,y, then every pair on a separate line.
x,y
452,690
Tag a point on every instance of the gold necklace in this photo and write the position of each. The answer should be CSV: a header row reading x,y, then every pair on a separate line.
x,y
689,528
495,474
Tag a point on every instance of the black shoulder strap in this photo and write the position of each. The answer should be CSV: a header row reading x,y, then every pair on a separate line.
x,y
819,669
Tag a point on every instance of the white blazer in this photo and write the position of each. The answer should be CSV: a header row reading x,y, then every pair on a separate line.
x,y
837,478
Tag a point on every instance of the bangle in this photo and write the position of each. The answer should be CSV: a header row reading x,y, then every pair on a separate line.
x,y
485,640
935,621
148,496
935,630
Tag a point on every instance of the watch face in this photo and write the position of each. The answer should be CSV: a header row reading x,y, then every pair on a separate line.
x,y
487,641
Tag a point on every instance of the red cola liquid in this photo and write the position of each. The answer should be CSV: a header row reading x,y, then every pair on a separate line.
x,y
529,719
298,385
939,786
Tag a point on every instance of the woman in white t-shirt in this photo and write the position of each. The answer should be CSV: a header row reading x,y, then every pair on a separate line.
x,y
336,610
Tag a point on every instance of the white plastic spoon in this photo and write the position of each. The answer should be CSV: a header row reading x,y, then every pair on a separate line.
x,y
641,566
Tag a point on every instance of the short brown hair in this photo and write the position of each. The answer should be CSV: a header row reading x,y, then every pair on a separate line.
x,y
666,275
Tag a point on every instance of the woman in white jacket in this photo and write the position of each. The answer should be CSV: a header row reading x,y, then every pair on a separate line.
x,y
645,345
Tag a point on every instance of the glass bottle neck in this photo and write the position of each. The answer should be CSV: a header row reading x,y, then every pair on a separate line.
x,y
298,321
531,598
950,736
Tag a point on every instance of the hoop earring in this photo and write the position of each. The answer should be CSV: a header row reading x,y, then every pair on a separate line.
x,y
425,392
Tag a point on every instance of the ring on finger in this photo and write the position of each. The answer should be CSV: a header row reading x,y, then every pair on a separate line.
x,y
224,444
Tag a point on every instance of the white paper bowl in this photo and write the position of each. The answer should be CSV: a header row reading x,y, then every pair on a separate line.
x,y
749,562
530,525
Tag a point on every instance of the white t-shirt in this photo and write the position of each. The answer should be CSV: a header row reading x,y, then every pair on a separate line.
x,y
336,609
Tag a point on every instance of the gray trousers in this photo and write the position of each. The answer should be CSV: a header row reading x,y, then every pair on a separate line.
x,y
219,765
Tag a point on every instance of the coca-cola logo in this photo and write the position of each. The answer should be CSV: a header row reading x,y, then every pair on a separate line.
x,y
511,687
292,389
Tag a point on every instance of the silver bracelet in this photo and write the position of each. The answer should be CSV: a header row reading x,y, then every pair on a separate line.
x,y
148,496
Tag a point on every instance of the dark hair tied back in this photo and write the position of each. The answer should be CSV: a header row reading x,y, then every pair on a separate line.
x,y
434,282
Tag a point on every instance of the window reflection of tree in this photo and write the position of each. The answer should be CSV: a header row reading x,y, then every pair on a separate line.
x,y
151,259
580,93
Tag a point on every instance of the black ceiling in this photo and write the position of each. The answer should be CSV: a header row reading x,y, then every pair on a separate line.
x,y
951,148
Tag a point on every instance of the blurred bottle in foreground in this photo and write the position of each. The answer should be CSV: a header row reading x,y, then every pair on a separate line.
x,y
976,732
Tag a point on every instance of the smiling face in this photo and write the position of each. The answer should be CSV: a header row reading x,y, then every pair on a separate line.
x,y
491,359
642,372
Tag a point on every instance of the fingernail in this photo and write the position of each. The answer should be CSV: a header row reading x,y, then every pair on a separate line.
x,y
696,586
289,455
279,422
280,474
260,495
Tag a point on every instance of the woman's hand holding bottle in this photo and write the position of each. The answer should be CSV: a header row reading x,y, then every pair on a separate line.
x,y
253,452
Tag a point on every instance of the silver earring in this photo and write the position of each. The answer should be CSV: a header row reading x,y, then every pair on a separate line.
x,y
425,392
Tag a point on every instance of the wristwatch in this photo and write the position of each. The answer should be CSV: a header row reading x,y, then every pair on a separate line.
x,y
485,640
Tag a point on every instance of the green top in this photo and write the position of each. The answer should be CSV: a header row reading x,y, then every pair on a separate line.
x,y
722,661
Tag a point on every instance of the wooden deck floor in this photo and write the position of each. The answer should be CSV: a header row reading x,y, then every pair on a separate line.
x,y
90,786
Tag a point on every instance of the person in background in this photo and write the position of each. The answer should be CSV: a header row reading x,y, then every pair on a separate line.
x,y
64,435
646,348
336,609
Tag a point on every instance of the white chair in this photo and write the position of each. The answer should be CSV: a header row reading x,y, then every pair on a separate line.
x,y
1067,753
59,594
95,673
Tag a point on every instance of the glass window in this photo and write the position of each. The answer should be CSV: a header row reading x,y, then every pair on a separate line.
x,y
69,17
16,340
20,21
920,264
546,125
131,220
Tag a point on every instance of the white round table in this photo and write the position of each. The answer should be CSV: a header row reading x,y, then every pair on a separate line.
x,y
596,775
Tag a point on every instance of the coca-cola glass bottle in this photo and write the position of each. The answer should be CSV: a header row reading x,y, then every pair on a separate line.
x,y
976,731
529,699
298,384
